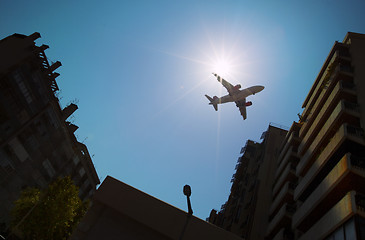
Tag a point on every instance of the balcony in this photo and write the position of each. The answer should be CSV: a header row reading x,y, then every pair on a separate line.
x,y
342,90
348,174
281,219
284,234
287,175
352,203
328,75
343,112
49,69
341,73
291,156
293,140
347,137
285,195
346,133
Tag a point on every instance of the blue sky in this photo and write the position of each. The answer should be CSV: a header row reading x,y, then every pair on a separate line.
x,y
139,71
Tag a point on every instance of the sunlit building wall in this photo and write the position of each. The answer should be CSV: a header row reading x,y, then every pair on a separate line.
x,y
37,143
324,197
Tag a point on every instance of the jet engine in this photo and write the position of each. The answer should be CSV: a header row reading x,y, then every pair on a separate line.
x,y
248,104
237,87
215,98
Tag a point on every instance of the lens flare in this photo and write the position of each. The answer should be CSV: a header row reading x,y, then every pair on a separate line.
x,y
222,67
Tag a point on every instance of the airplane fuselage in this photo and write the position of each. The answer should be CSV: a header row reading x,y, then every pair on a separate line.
x,y
239,95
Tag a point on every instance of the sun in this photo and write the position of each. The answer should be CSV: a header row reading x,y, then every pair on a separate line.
x,y
222,67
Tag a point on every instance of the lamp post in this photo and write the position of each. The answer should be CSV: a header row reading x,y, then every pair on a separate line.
x,y
187,193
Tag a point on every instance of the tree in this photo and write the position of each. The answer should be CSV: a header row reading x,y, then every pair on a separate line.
x,y
51,213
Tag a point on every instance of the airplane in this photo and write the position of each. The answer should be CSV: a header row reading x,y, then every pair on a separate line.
x,y
234,95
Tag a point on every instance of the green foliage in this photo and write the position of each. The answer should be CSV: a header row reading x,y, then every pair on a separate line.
x,y
51,213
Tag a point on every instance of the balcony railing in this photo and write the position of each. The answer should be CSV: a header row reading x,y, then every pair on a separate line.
x,y
293,140
285,195
348,206
291,156
284,234
341,135
360,201
49,69
341,179
356,131
358,162
348,85
322,94
322,109
288,175
281,219
319,141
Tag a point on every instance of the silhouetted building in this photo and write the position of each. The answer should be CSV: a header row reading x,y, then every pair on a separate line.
x,y
37,144
245,213
326,151
283,205
120,211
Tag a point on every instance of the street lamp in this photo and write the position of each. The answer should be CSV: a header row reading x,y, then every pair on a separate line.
x,y
187,193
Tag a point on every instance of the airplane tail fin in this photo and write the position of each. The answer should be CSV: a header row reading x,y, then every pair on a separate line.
x,y
212,102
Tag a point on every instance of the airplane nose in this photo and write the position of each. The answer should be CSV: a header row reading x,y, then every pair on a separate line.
x,y
259,88
256,89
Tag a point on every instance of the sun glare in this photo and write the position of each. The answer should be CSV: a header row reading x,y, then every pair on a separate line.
x,y
222,67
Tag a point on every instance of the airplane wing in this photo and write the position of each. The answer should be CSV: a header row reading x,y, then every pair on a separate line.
x,y
241,104
225,84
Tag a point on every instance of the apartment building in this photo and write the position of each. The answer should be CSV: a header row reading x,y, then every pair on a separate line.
x,y
285,180
324,155
317,187
37,143
245,212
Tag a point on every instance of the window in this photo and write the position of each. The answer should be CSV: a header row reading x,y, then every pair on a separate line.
x,y
12,103
22,116
76,160
5,161
49,168
37,77
344,232
41,128
53,119
29,140
18,149
350,231
338,235
82,172
85,185
23,88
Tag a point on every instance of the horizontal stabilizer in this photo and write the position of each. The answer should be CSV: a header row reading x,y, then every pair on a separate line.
x,y
212,102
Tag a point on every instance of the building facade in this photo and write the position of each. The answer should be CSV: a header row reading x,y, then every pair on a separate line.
x,y
317,191
37,143
285,181
246,210
329,195
120,211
